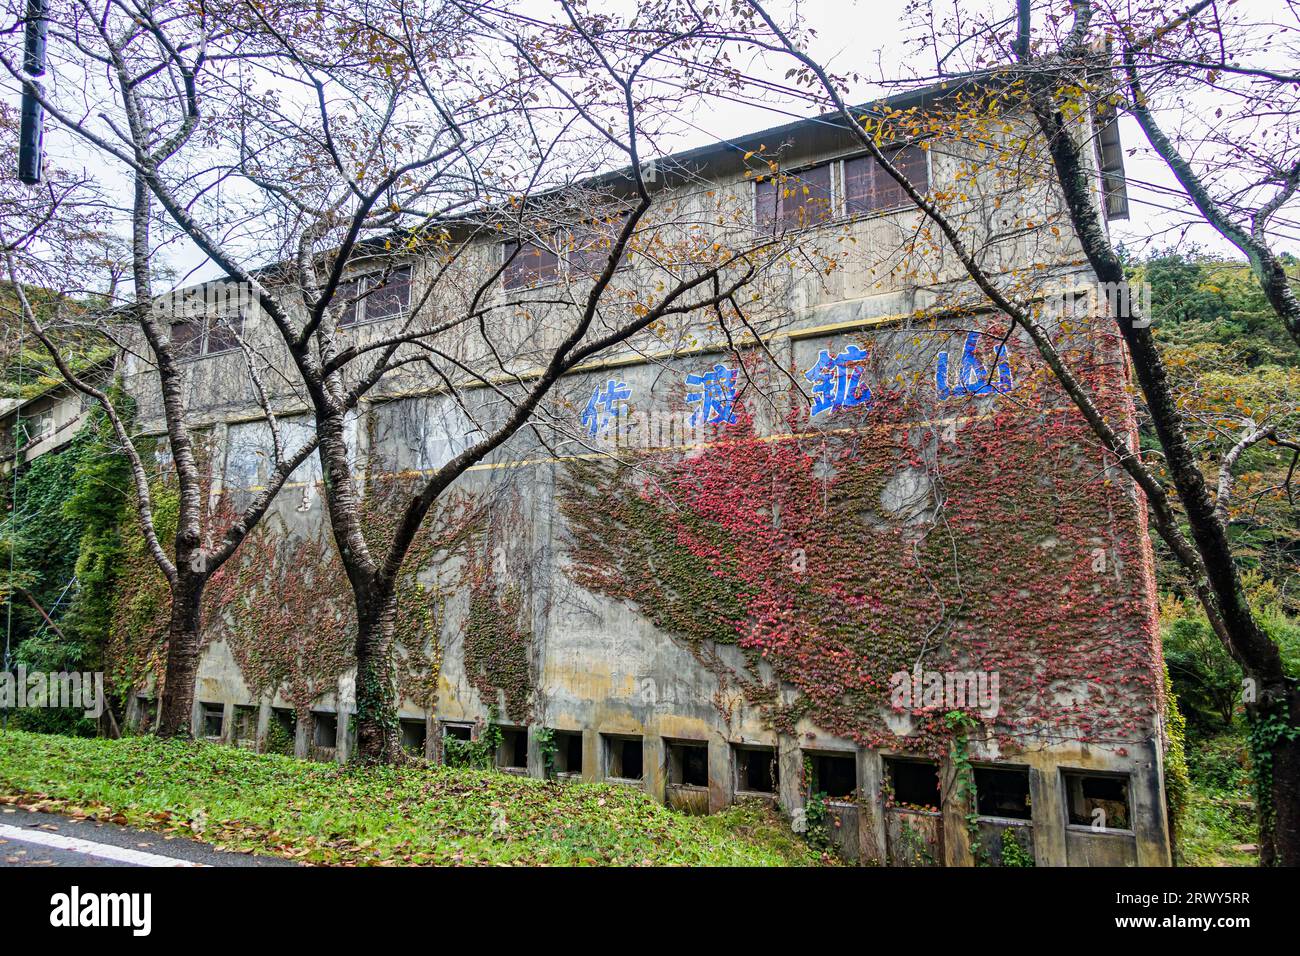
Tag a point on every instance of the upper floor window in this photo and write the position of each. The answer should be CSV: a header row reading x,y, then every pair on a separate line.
x,y
39,425
529,264
376,297
795,200
851,187
584,248
592,242
204,335
373,298
868,188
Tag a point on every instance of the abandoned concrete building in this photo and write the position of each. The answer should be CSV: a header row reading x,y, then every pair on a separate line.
x,y
934,523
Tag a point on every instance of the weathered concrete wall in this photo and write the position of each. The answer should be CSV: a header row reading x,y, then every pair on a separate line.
x,y
600,667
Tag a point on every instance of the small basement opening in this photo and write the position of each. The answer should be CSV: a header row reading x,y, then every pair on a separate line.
x,y
211,717
756,770
1097,799
1003,792
623,758
414,734
245,725
451,741
688,764
568,751
327,729
914,782
835,775
512,754
457,731
282,732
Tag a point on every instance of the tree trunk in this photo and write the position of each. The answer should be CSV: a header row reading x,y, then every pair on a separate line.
x,y
1252,649
1285,759
378,740
1277,288
182,656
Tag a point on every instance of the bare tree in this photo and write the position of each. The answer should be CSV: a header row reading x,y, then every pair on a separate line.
x,y
1054,77
1198,55
151,92
428,165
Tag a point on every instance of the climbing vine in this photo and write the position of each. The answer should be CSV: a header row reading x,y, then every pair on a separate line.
x,y
987,536
1012,854
960,724
282,604
498,641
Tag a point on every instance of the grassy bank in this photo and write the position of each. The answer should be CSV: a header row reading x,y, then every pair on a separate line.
x,y
410,815
1219,828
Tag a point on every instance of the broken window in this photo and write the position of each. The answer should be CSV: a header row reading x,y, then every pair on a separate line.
x,y
212,717
223,333
374,297
568,751
513,752
688,764
39,424
371,298
756,770
187,338
1003,792
533,265
327,729
1098,800
414,733
623,757
868,188
206,335
914,783
794,200
835,775
390,295
457,731
593,242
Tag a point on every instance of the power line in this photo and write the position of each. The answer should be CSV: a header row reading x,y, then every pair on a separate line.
x,y
821,101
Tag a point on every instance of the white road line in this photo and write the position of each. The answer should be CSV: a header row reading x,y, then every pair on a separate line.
x,y
104,851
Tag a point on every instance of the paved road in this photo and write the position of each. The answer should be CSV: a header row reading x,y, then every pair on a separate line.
x,y
45,839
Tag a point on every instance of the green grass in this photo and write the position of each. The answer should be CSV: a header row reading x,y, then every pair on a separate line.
x,y
321,813
1220,815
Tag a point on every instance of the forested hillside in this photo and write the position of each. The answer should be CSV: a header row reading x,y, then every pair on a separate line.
x,y
1230,357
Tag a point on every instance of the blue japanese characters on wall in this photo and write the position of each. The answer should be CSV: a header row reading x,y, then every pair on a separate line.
x,y
836,380
714,398
604,407
972,377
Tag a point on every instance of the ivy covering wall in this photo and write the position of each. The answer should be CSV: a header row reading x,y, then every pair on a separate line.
x,y
63,530
1006,543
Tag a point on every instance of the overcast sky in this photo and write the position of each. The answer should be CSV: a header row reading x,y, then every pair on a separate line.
x,y
867,36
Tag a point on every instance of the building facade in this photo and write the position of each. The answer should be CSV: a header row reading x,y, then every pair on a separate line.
x,y
867,563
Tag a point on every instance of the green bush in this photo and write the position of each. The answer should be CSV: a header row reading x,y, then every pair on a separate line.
x,y
1220,763
1013,854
